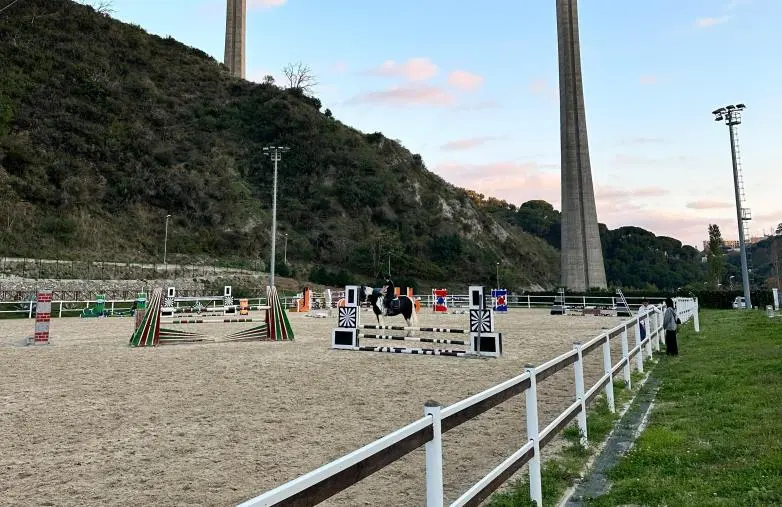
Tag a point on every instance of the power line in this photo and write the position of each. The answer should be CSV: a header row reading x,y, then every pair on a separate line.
x,y
8,6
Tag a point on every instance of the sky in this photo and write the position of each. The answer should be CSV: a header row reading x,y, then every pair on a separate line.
x,y
472,87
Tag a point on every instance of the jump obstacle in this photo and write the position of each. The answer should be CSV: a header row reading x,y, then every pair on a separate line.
x,y
499,299
149,333
43,315
483,339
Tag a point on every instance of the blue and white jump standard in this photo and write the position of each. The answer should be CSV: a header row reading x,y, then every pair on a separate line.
x,y
483,339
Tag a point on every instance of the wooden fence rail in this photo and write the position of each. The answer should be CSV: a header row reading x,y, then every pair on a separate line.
x,y
334,477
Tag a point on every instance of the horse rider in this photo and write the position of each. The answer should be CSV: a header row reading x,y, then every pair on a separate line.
x,y
388,296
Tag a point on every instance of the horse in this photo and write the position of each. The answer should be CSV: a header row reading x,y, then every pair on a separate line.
x,y
400,305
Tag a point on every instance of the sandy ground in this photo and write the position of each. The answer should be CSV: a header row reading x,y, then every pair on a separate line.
x,y
90,421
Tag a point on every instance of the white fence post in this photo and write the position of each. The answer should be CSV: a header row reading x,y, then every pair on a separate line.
x,y
656,326
30,310
535,486
578,366
696,308
609,389
529,302
648,327
639,358
626,356
434,457
584,302
60,314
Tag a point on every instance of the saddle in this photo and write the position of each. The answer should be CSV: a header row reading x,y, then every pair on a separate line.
x,y
394,306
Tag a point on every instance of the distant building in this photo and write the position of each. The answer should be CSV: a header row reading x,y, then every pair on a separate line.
x,y
733,244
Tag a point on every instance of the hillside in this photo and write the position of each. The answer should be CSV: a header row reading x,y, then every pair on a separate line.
x,y
105,129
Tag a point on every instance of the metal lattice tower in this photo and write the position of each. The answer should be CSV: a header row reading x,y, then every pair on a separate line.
x,y
746,213
731,115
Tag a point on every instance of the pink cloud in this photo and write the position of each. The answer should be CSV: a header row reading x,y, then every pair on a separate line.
x,y
649,80
264,4
466,144
543,88
609,193
512,181
709,22
406,95
642,140
414,69
478,106
340,67
709,205
465,80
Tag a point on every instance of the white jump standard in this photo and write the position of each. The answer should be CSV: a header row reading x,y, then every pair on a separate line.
x,y
484,340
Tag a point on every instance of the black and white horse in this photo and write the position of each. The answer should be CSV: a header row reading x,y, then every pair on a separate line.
x,y
399,305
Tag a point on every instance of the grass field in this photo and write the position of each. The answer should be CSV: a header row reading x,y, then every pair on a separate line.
x,y
715,434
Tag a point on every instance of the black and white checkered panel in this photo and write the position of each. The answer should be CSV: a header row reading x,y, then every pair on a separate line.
x,y
348,317
482,321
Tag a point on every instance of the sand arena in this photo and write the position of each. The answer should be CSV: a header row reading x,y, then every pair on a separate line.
x,y
90,421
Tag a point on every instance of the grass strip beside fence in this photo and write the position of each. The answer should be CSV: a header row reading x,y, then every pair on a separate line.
x,y
715,434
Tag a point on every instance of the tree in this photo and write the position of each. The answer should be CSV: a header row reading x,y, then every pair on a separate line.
x,y
778,232
300,77
105,7
268,79
715,255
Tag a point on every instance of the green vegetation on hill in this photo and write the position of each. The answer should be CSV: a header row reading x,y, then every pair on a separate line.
x,y
104,129
634,257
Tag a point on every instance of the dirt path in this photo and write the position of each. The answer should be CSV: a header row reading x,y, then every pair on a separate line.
x,y
89,421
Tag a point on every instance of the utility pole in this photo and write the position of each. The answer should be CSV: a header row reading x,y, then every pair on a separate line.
x,y
165,245
731,115
275,152
285,255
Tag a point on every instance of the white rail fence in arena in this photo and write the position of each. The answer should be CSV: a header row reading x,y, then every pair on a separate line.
x,y
334,477
27,308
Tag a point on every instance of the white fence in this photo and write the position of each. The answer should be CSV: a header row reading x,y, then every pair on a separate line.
x,y
27,308
330,479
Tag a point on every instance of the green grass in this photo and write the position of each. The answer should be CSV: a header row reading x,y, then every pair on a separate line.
x,y
715,433
559,473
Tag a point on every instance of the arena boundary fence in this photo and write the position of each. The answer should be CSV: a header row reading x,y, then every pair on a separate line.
x,y
332,478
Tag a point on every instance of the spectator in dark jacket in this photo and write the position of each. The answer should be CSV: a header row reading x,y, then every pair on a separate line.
x,y
670,322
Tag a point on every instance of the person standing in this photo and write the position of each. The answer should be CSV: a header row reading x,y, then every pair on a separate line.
x,y
670,322
642,311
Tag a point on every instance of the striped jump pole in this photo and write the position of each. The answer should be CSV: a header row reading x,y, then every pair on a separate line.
x,y
206,321
422,352
412,339
420,329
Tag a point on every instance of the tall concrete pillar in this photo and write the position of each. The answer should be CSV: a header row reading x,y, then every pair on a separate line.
x,y
582,253
235,30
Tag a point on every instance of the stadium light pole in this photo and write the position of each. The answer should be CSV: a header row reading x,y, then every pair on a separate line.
x,y
498,276
731,115
285,255
275,152
165,245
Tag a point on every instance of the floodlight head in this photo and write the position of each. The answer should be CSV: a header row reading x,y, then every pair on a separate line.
x,y
730,107
718,111
719,118
740,106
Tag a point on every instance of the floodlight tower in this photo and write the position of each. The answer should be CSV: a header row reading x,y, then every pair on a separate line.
x,y
275,152
731,115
